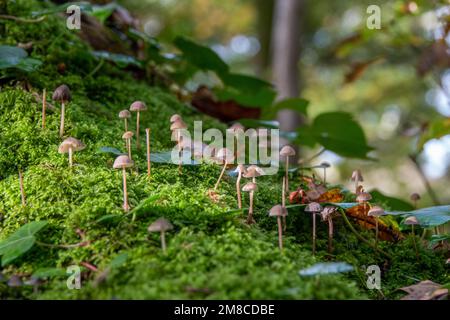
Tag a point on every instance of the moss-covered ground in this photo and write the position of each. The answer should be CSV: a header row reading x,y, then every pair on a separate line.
x,y
212,253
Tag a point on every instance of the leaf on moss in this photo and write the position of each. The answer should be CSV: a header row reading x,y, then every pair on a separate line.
x,y
333,195
425,290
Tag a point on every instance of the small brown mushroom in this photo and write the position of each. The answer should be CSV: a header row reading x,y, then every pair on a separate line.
x,y
161,225
313,208
15,282
376,212
287,151
324,165
124,162
414,198
175,117
357,177
225,156
253,171
175,127
71,145
240,169
413,221
127,137
125,115
62,95
138,107
250,187
279,211
327,215
363,198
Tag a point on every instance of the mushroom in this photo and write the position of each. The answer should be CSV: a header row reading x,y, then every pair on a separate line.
x,y
412,221
15,282
127,137
324,165
124,162
175,117
327,215
376,212
161,225
62,95
70,145
313,208
240,169
415,197
138,106
357,177
149,164
363,197
279,211
253,172
175,127
125,115
250,187
287,151
22,189
225,156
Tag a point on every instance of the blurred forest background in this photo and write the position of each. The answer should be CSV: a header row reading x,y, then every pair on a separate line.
x,y
394,80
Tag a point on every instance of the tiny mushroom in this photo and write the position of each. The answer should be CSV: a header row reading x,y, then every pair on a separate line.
x,y
413,221
324,165
176,128
125,115
240,169
363,198
138,107
175,117
376,212
313,208
287,151
357,177
225,156
279,211
69,146
124,162
62,95
415,197
15,282
253,171
127,137
250,187
161,225
327,215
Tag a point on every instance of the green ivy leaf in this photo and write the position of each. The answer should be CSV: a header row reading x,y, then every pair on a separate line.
x,y
121,60
20,241
436,129
297,104
428,217
259,99
103,12
390,202
17,58
84,6
337,132
45,273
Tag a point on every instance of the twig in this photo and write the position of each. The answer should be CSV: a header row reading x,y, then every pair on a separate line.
x,y
20,19
63,246
102,61
427,184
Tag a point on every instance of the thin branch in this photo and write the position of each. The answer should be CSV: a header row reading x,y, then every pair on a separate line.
x,y
63,246
20,19
424,178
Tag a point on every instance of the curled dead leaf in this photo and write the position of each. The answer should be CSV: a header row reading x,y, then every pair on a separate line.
x,y
425,290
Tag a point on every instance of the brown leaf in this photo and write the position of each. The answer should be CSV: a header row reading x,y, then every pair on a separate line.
x,y
425,290
358,69
333,195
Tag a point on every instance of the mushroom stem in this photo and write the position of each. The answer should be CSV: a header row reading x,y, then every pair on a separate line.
x,y
376,231
163,241
221,175
280,233
283,200
129,148
149,164
179,152
325,176
330,235
22,189
61,127
126,207
70,157
314,234
126,124
287,173
414,241
138,145
250,210
44,107
238,190
356,186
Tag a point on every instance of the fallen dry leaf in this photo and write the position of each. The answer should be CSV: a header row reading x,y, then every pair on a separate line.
x,y
333,195
425,290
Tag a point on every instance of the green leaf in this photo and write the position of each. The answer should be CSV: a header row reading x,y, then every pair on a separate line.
x,y
121,60
435,238
326,268
110,218
297,104
262,98
244,83
118,261
391,203
103,12
45,273
16,58
112,150
337,132
84,6
200,56
436,129
144,205
428,217
20,241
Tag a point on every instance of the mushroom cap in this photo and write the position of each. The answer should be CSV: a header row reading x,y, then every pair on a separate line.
x,y
175,117
278,211
324,164
411,220
313,207
287,151
122,162
357,176
236,126
376,211
71,143
363,197
15,281
240,168
179,124
253,171
328,212
250,186
138,106
313,194
224,154
127,135
159,225
124,114
415,196
62,94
